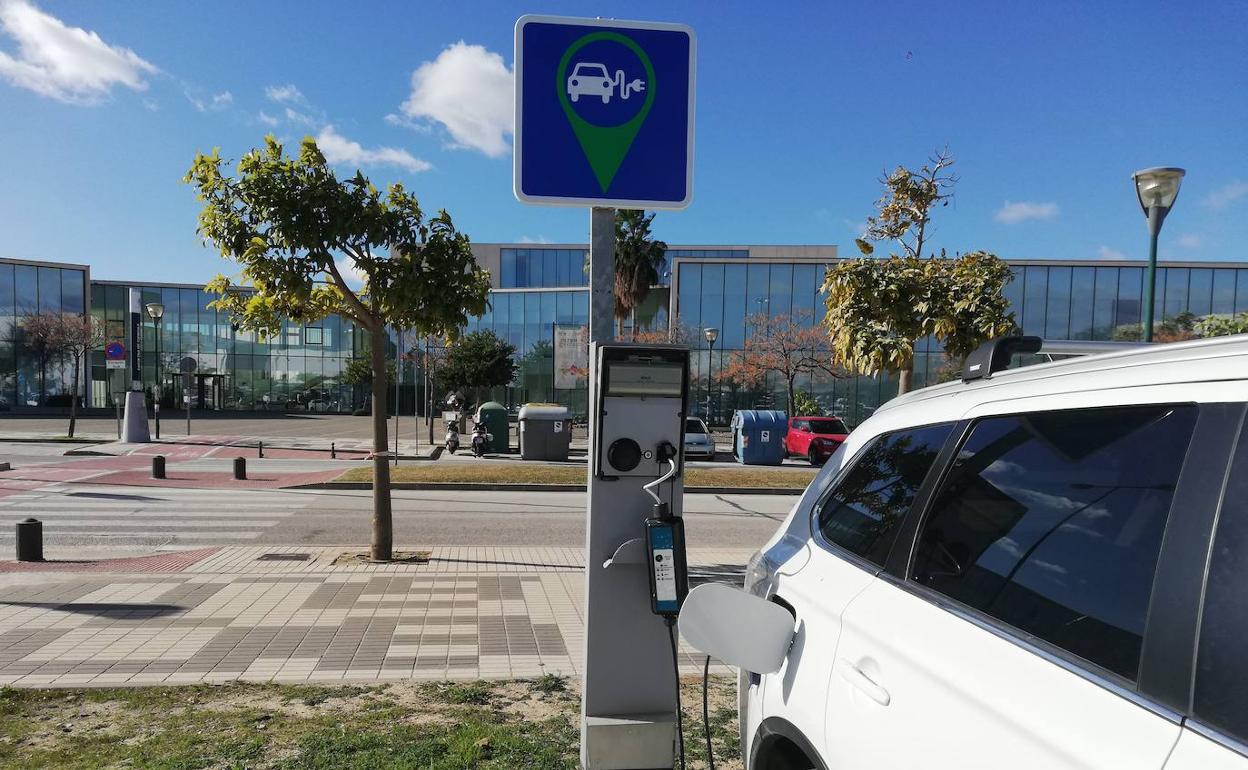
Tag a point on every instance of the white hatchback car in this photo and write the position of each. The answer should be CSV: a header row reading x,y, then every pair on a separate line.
x,y
1041,568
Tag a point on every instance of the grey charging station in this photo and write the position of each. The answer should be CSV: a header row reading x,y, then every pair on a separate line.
x,y
634,571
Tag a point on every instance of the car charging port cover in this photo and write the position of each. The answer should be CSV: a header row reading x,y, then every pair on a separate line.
x,y
624,454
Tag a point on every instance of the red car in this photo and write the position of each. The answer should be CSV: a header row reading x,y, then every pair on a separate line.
x,y
814,438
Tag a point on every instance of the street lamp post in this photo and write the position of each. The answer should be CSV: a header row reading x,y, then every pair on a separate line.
x,y
157,311
712,334
1157,189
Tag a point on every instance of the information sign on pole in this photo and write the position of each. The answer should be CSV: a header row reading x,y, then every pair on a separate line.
x,y
604,113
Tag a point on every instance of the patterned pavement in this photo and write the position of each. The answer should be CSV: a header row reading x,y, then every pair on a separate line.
x,y
234,613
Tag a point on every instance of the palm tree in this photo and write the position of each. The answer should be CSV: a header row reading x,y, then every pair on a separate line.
x,y
638,259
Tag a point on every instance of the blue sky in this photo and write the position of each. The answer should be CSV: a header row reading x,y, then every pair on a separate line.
x,y
1048,107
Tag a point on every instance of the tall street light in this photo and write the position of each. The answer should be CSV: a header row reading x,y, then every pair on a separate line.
x,y
712,334
157,312
1156,188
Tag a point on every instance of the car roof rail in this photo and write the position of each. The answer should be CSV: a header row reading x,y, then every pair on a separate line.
x,y
994,355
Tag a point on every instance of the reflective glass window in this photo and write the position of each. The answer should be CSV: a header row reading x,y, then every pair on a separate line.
x,y
712,295
1177,282
1013,293
537,268
1082,283
690,294
72,292
1241,291
780,292
1104,303
49,290
1223,291
806,281
758,283
1035,300
732,331
863,513
1128,307
1200,292
1057,312
508,278
1051,522
26,294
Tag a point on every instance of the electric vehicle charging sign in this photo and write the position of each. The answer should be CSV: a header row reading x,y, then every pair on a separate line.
x,y
604,113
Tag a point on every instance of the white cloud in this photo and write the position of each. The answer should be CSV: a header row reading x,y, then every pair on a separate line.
x,y
1106,252
469,91
213,103
1226,195
299,117
1190,241
339,149
70,64
350,273
538,239
287,94
267,119
1013,213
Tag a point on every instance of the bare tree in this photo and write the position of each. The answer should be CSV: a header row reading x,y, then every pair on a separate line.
x,y
41,336
787,345
80,334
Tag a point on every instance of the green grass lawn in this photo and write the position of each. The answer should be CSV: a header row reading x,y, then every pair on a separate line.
x,y
539,473
421,726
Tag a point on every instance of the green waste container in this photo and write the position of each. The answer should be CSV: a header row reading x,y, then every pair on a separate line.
x,y
545,432
494,415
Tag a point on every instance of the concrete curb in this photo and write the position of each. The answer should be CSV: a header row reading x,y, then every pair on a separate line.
x,y
467,487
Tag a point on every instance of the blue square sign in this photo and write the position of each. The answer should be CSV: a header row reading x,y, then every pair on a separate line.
x,y
604,113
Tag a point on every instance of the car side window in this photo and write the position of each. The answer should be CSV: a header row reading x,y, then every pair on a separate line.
x,y
1221,693
863,511
1052,522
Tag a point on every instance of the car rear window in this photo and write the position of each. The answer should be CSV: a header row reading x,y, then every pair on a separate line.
x,y
829,426
695,426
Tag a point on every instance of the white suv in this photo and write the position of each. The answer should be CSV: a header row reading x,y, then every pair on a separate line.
x,y
1044,568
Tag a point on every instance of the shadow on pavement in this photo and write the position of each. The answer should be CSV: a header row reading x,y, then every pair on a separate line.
x,y
106,610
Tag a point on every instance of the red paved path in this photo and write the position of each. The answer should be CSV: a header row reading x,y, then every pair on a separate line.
x,y
169,561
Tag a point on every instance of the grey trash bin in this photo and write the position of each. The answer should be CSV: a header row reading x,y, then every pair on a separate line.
x,y
545,432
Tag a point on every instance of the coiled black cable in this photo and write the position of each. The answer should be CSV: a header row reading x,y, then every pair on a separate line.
x,y
706,712
680,726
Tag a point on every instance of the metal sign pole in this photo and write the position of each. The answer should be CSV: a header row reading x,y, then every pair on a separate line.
x,y
135,420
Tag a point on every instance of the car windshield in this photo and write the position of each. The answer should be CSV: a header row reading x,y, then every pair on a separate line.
x,y
829,426
694,425
590,70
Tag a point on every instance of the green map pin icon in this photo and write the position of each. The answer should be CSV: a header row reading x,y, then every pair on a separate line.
x,y
604,146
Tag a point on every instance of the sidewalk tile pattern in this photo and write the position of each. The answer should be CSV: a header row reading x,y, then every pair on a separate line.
x,y
471,612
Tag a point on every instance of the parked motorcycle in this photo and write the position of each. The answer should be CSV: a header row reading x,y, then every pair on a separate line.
x,y
452,436
480,438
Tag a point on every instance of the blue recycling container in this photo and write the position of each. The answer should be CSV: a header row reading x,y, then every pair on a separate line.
x,y
758,436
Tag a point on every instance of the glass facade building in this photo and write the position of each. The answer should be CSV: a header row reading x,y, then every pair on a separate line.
x,y
27,288
539,288
300,369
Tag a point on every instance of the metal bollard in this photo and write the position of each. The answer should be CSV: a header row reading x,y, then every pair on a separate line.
x,y
260,446
158,467
240,468
333,453
30,540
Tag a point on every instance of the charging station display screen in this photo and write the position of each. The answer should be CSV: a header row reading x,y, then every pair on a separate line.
x,y
645,378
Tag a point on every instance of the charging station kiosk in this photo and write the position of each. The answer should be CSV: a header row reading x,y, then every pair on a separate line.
x,y
635,572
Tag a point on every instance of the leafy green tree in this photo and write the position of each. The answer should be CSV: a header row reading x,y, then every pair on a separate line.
x,y
358,373
1221,325
477,361
296,231
638,259
805,405
878,309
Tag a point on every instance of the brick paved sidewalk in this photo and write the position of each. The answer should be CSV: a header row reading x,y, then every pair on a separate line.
x,y
471,612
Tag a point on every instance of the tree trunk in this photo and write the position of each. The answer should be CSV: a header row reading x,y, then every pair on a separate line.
x,y
792,396
73,399
619,323
903,380
383,525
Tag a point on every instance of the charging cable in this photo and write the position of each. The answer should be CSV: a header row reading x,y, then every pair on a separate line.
x,y
680,720
666,452
706,712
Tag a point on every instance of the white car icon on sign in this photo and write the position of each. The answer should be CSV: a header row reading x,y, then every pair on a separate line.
x,y
591,80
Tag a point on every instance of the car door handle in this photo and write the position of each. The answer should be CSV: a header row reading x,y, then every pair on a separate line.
x,y
852,674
